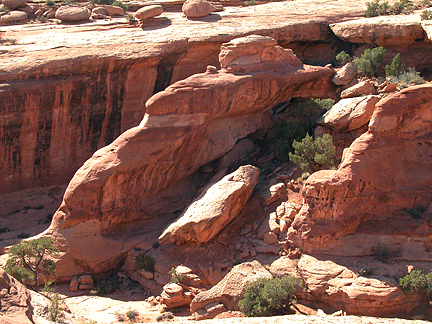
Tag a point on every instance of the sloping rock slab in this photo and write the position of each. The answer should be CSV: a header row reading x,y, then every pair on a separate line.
x,y
230,289
382,31
349,114
213,209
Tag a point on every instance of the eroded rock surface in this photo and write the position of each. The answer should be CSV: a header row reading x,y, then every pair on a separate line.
x,y
383,174
191,123
349,114
230,289
213,209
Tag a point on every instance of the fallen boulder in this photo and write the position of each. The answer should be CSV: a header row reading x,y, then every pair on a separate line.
x,y
360,89
72,13
148,12
197,8
229,291
345,74
14,4
349,114
215,208
13,17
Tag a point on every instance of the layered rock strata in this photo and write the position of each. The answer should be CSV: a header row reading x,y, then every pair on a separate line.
x,y
384,175
191,123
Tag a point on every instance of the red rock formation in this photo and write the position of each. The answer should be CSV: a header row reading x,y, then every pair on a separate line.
x,y
191,123
383,174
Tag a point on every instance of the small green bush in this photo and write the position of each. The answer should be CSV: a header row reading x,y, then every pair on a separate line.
x,y
251,3
396,68
415,281
408,78
425,3
402,6
56,311
382,252
131,315
30,258
42,19
426,15
175,277
268,297
49,3
313,155
370,62
107,285
164,316
121,5
365,272
342,58
145,262
376,8
130,19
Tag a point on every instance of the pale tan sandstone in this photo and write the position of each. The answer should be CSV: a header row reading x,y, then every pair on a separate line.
x,y
197,8
231,288
72,13
213,209
349,114
149,12
173,295
359,89
345,74
13,17
114,10
396,30
14,4
99,11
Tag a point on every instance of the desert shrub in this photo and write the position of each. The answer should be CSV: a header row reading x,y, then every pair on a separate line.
x,y
365,272
42,19
408,78
56,311
377,8
49,3
426,15
29,259
4,9
267,297
119,316
145,262
402,6
425,3
415,281
131,315
156,245
396,68
251,3
4,230
121,5
382,252
370,62
342,58
285,132
107,285
313,155
175,276
130,19
164,316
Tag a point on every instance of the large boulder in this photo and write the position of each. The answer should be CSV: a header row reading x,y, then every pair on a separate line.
x,y
114,10
148,170
215,208
148,12
13,17
396,30
383,174
14,4
360,89
345,74
349,114
341,288
72,13
197,8
229,291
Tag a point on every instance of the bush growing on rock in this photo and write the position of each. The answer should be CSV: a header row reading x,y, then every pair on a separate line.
x,y
313,155
415,281
377,8
268,297
27,260
396,68
145,262
426,15
371,61
408,78
342,58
